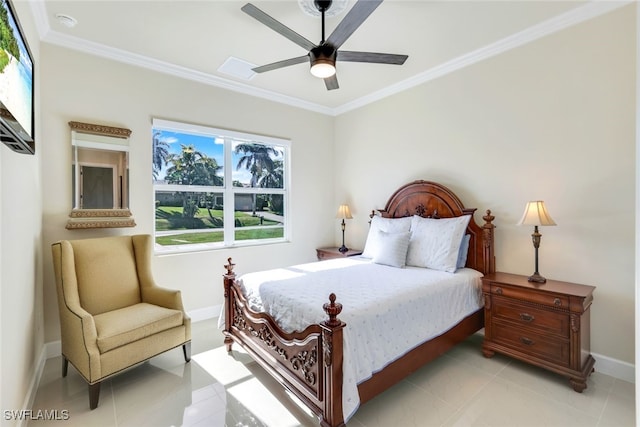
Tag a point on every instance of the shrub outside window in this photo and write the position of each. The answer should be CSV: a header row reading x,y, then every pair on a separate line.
x,y
217,188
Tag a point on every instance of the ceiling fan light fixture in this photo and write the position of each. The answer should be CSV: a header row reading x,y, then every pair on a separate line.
x,y
323,68
323,62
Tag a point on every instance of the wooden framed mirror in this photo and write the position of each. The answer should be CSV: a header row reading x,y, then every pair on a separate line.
x,y
100,177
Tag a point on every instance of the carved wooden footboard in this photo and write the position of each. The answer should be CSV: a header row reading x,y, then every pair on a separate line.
x,y
309,363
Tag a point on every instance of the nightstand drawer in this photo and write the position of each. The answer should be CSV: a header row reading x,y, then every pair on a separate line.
x,y
322,255
542,320
544,298
554,350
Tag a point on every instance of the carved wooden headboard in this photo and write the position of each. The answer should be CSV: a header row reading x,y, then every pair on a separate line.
x,y
432,200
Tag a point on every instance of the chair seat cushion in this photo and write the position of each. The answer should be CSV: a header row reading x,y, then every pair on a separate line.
x,y
125,325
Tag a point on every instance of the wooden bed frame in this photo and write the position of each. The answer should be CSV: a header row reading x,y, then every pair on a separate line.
x,y
309,363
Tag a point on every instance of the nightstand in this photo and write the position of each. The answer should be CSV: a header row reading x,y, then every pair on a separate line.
x,y
547,325
329,253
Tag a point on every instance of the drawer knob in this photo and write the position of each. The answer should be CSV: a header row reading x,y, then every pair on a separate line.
x,y
557,302
526,341
499,291
526,317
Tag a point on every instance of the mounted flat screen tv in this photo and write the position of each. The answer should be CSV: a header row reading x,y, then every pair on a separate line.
x,y
16,84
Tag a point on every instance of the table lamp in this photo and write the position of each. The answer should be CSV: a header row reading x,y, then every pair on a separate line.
x,y
343,213
535,213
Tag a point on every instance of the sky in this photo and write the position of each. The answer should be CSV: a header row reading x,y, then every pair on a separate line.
x,y
207,145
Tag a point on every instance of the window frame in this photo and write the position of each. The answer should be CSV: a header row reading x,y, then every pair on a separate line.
x,y
227,189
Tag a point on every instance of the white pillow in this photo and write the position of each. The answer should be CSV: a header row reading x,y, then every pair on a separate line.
x,y
388,225
435,243
393,248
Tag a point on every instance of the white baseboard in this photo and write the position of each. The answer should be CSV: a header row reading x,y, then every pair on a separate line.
x,y
615,368
205,313
33,385
53,349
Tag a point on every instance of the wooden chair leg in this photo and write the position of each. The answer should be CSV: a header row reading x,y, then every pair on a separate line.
x,y
186,350
94,395
65,366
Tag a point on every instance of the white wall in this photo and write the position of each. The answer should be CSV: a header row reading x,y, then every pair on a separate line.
x,y
551,120
21,324
89,89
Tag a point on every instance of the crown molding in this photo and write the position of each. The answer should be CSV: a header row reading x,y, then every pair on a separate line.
x,y
39,12
565,20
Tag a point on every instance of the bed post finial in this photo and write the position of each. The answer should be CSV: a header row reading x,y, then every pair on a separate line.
x,y
489,256
488,218
332,309
229,267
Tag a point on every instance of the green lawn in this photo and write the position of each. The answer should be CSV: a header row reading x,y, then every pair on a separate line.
x,y
170,218
216,236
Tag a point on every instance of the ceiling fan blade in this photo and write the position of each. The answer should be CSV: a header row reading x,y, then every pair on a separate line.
x,y
281,64
331,82
377,58
276,26
355,17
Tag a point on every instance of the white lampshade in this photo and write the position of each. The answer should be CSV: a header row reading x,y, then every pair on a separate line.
x,y
344,212
535,213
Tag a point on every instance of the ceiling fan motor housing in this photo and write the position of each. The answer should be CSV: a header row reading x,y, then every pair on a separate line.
x,y
324,53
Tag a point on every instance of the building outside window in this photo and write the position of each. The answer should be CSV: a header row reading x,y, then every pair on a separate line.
x,y
217,188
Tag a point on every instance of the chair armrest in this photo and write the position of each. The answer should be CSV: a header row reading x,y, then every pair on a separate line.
x,y
80,341
80,321
163,297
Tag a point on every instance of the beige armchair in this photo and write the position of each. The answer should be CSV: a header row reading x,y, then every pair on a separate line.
x,y
112,314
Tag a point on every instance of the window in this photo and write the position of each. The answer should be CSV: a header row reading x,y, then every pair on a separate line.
x,y
217,188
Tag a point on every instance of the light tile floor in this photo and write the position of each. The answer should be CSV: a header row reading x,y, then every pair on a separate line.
x,y
461,388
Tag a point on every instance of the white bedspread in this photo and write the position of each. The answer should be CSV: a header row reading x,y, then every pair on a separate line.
x,y
388,311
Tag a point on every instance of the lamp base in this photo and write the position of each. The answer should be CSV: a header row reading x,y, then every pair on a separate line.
x,y
342,249
537,278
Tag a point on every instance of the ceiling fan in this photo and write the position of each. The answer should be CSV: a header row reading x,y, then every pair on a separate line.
x,y
324,55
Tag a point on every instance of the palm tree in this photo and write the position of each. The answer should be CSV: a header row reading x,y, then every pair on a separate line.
x,y
257,159
160,154
191,167
274,179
